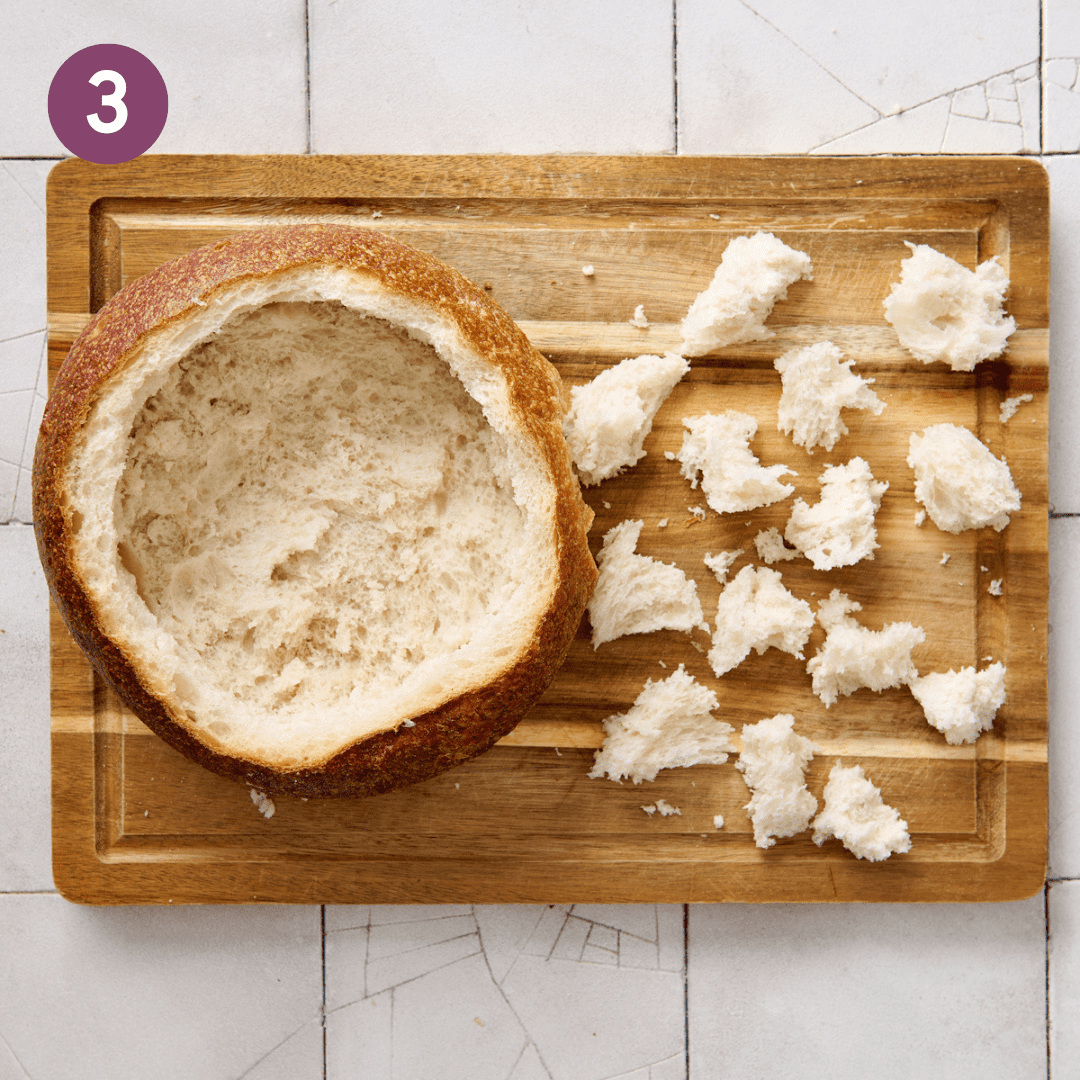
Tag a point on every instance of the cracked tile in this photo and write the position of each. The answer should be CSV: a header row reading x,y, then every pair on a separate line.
x,y
25,854
216,993
545,994
900,58
22,247
1063,898
997,116
557,77
733,67
881,990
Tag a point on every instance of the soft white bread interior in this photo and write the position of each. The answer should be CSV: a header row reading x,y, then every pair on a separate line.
x,y
312,510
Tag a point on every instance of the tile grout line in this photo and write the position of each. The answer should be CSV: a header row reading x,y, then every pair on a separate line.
x,y
322,954
1046,924
686,987
675,71
307,74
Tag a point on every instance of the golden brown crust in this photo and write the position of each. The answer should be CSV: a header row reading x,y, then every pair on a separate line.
x,y
462,727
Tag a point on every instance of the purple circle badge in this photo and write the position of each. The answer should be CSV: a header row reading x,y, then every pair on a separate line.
x,y
108,104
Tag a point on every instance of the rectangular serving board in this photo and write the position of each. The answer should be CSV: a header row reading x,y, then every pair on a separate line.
x,y
134,822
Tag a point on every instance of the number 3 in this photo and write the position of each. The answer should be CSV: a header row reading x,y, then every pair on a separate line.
x,y
115,100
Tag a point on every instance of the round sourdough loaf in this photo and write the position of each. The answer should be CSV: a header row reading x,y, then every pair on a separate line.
x,y
303,498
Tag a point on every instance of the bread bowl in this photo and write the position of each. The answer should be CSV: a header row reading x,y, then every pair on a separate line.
x,y
302,497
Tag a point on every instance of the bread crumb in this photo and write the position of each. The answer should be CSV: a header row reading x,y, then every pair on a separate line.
x,y
854,656
984,569
636,594
610,417
839,530
961,704
639,319
697,511
994,588
770,547
718,821
856,815
664,807
669,455
817,384
721,562
263,802
408,723
588,271
959,481
773,763
662,664
756,612
943,311
376,213
669,726
1010,405
606,504
920,517
715,217
732,479
662,523
754,272
944,558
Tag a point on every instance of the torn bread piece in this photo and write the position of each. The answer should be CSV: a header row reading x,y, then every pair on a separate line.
x,y
1007,409
941,310
959,481
611,416
817,383
856,815
773,763
839,530
717,446
855,656
770,547
961,704
754,272
755,611
636,594
720,563
669,726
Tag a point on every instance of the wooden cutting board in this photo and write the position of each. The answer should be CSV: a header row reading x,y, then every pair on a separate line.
x,y
136,823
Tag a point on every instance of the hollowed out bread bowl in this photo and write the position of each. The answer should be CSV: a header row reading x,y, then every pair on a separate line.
x,y
303,498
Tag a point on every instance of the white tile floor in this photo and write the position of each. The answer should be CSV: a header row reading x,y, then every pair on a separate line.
x,y
538,993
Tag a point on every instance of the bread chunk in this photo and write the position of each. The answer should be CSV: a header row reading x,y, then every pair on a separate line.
x,y
637,594
756,612
857,816
959,481
961,704
839,530
941,310
611,416
754,272
817,385
304,499
669,726
773,764
718,448
855,656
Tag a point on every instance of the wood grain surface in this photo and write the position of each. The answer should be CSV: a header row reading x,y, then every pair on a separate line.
x,y
136,823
